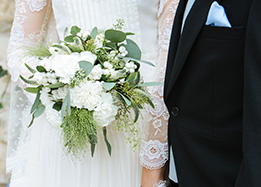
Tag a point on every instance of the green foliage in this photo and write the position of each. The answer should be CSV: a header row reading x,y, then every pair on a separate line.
x,y
115,35
119,25
133,49
75,30
1,105
39,51
86,67
2,72
66,106
79,129
94,32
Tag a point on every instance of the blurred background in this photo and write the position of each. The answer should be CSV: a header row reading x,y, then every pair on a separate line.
x,y
6,18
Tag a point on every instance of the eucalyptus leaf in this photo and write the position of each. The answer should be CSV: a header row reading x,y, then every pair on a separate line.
x,y
31,122
106,140
37,101
147,84
63,48
39,111
41,69
32,89
94,32
74,48
27,81
136,112
30,69
75,30
142,61
108,85
86,67
133,49
69,39
129,33
115,35
56,85
127,101
131,77
66,106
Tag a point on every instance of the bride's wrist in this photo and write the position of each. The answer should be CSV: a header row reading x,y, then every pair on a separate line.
x,y
162,183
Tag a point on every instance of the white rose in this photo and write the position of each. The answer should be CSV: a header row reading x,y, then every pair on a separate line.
x,y
96,72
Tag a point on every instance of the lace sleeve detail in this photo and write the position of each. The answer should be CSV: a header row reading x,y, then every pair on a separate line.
x,y
154,146
29,28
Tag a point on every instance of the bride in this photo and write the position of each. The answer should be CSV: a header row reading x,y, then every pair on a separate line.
x,y
35,155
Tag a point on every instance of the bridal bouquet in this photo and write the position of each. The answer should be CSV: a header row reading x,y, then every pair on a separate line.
x,y
87,82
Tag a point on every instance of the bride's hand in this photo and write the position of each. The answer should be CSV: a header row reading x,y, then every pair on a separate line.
x,y
152,178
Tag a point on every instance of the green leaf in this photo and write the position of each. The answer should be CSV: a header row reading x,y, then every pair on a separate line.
x,y
37,101
66,106
146,84
69,39
115,35
27,81
63,48
2,72
57,106
129,33
39,111
30,69
32,121
75,30
133,49
56,85
111,45
127,101
41,69
94,32
106,140
32,89
1,105
131,77
93,148
136,112
108,85
136,60
75,48
86,67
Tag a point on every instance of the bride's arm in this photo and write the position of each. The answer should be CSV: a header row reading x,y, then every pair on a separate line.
x,y
154,148
29,28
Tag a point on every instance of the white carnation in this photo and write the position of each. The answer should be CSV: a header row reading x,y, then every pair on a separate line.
x,y
65,66
60,93
88,56
87,95
96,72
105,113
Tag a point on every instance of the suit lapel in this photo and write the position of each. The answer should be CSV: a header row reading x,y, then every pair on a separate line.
x,y
195,21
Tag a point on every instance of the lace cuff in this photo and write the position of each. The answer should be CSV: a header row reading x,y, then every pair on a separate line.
x,y
161,184
153,154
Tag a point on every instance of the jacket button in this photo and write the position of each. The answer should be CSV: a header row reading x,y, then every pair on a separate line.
x,y
175,111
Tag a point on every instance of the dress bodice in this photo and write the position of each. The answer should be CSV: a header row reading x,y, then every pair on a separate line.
x,y
103,13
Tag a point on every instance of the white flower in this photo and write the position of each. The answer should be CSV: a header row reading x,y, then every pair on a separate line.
x,y
123,51
87,95
108,65
83,34
40,78
88,56
65,66
60,93
46,63
130,67
105,113
96,72
99,40
52,116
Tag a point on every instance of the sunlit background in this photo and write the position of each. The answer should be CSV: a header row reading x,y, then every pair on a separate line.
x,y
6,17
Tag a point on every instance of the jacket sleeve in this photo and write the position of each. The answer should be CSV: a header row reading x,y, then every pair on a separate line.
x,y
250,171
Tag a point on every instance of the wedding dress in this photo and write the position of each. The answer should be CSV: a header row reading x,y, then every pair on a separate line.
x,y
35,155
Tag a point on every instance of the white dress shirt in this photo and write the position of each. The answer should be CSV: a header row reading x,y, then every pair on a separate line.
x,y
172,170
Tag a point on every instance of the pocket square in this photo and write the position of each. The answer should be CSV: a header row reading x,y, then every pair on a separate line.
x,y
217,16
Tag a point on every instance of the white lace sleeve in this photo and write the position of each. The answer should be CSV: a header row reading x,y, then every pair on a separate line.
x,y
29,28
154,147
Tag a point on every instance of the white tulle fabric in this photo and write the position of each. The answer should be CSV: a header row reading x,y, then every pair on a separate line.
x,y
35,155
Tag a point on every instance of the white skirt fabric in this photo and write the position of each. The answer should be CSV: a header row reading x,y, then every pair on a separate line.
x,y
41,162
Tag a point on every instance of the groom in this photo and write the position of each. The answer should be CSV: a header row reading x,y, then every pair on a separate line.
x,y
213,93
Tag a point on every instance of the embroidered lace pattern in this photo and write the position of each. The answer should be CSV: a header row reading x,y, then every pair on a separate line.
x,y
161,184
154,147
29,28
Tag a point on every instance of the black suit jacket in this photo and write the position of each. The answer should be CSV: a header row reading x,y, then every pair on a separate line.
x,y
213,92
